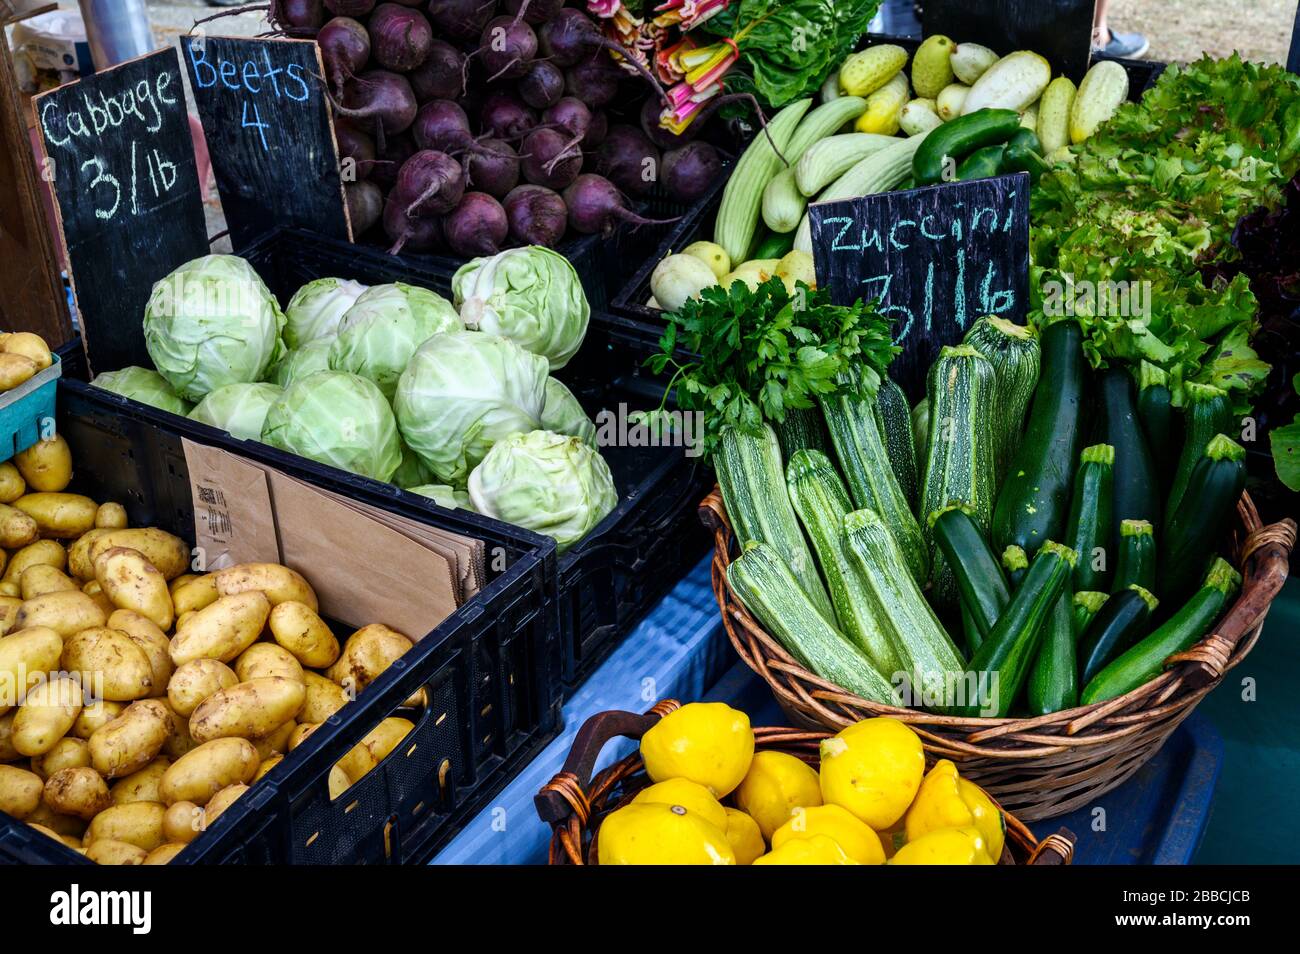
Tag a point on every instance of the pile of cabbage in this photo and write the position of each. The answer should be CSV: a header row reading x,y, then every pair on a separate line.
x,y
454,401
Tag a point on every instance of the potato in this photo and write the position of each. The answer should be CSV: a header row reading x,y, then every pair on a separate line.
x,y
31,346
132,740
182,619
183,822
73,843
9,587
366,654
46,552
248,710
106,851
222,800
20,791
338,782
96,715
178,741
110,516
300,733
69,826
7,751
17,529
275,742
77,791
199,774
222,630
68,752
96,593
195,593
298,629
15,369
146,634
132,582
46,465
78,554
25,657
46,715
267,659
279,583
10,607
169,554
324,698
12,485
163,854
375,747
267,764
66,613
41,579
196,680
141,785
109,661
58,515
136,823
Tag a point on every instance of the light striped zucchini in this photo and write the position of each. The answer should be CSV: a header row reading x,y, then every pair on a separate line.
x,y
743,194
959,460
1013,82
864,461
878,172
927,654
766,587
1104,88
1054,114
825,161
783,203
821,501
751,476
1013,351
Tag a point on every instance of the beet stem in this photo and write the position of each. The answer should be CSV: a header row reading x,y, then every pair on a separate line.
x,y
233,11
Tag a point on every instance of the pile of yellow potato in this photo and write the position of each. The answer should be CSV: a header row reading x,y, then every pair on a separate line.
x,y
139,700
23,355
870,801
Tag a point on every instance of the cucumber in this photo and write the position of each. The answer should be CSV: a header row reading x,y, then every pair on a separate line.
x,y
1034,500
959,460
1015,564
767,588
773,245
980,581
860,449
802,429
1136,493
821,501
1206,412
751,476
958,138
1054,678
1088,531
1013,351
1184,629
1136,562
984,163
928,656
1086,606
1156,411
894,418
1196,529
997,672
1116,627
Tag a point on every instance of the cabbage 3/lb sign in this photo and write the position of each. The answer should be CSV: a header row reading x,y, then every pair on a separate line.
x,y
934,259
120,161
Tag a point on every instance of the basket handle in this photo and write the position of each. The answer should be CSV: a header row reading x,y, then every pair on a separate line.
x,y
1057,849
565,794
713,512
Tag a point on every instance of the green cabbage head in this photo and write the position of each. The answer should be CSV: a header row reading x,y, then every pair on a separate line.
x,y
316,309
464,391
145,386
381,331
444,496
239,409
564,415
412,471
212,322
545,482
338,419
301,361
531,295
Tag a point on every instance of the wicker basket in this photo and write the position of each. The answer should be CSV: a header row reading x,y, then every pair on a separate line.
x,y
574,806
1048,765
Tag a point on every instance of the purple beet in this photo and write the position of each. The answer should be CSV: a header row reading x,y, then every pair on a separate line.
x,y
461,20
389,158
344,49
507,48
504,116
349,8
597,129
441,75
571,115
535,12
382,97
628,159
537,216
664,138
400,38
542,85
430,183
413,235
596,205
442,125
688,172
593,80
549,158
365,205
493,168
297,17
478,226
356,146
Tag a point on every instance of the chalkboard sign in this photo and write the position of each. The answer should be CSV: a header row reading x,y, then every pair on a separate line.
x,y
935,258
269,133
1060,30
119,157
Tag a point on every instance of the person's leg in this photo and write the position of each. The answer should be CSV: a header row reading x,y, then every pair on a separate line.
x,y
1106,40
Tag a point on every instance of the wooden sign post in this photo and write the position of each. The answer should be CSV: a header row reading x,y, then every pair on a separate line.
x,y
120,159
1060,30
935,259
270,134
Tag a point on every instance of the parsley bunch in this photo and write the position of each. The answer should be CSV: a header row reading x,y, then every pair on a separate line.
x,y
764,351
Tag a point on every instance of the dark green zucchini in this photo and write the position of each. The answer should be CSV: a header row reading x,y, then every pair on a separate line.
x,y
980,583
1013,351
1136,489
1144,661
1119,624
997,672
1015,563
1088,531
1196,529
1136,562
1034,500
1054,678
1207,411
1156,411
803,429
895,419
1086,606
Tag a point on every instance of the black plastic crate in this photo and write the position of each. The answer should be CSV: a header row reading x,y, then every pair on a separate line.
x,y
488,674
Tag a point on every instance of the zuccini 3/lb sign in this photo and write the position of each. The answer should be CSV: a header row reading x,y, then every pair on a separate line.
x,y
934,258
120,159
